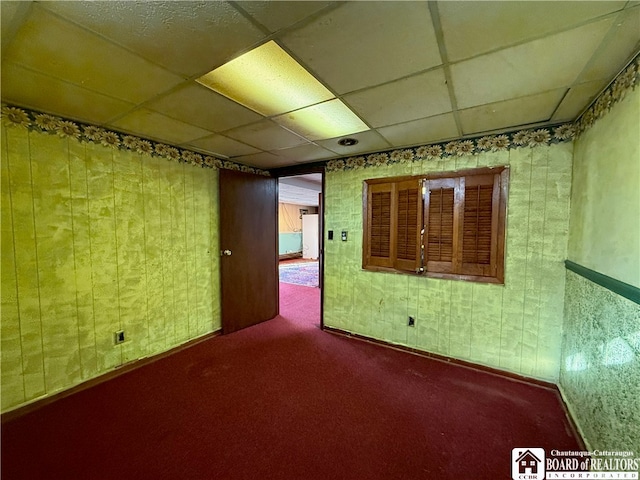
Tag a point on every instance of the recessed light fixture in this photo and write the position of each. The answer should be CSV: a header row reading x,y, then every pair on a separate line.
x,y
269,81
347,142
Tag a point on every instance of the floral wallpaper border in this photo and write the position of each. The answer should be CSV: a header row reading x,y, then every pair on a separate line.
x,y
45,123
457,148
624,83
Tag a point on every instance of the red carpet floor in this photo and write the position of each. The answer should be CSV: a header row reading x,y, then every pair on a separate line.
x,y
284,400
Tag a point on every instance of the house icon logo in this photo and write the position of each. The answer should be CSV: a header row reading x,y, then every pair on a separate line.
x,y
527,463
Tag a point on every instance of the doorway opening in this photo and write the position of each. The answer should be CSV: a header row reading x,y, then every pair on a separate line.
x,y
300,243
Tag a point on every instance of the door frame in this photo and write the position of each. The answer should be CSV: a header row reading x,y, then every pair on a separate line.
x,y
295,170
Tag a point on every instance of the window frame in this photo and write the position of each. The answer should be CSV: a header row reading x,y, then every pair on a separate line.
x,y
457,179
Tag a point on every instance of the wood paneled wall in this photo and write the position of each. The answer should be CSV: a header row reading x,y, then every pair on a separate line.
x,y
516,326
95,240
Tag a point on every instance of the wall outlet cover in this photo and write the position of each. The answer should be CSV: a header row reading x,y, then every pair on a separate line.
x,y
119,337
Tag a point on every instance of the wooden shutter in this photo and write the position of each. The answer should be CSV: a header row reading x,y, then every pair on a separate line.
x,y
465,225
377,233
464,219
408,224
441,234
393,224
480,224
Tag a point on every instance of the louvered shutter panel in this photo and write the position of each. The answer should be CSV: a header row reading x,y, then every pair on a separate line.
x,y
440,225
408,208
480,224
378,232
463,215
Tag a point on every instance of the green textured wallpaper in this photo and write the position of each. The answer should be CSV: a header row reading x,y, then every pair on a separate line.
x,y
515,327
95,240
600,370
605,203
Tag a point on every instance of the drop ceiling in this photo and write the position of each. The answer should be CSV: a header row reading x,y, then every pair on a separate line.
x,y
414,72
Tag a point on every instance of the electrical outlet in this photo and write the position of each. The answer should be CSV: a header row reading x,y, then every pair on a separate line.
x,y
411,322
119,336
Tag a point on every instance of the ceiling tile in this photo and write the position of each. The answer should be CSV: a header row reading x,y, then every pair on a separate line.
x,y
518,111
577,99
367,142
423,95
623,40
426,130
12,15
295,195
200,106
46,43
308,181
471,28
196,36
305,153
527,69
266,135
40,92
218,144
361,44
277,15
155,126
263,160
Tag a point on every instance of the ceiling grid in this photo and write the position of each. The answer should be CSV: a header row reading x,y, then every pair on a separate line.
x,y
414,72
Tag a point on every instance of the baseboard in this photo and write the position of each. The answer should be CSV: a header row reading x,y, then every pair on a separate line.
x,y
574,425
444,358
104,377
290,256
575,429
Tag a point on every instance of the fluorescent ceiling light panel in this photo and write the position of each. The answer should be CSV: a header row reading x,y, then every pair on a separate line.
x,y
325,120
266,80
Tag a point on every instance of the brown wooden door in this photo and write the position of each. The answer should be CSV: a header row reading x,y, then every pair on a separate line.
x,y
248,234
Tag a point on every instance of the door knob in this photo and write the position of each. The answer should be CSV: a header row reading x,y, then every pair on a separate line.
x,y
226,253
